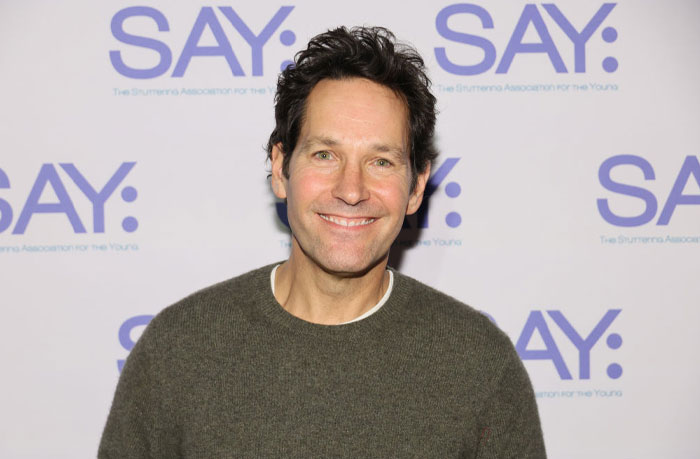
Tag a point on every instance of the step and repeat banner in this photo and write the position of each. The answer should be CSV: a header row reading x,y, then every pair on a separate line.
x,y
566,202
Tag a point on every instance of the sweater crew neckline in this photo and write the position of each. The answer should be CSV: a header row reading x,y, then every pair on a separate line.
x,y
362,316
387,313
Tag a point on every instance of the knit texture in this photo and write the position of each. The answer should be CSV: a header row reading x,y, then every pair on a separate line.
x,y
228,373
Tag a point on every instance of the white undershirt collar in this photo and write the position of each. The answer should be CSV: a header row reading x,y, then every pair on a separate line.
x,y
368,313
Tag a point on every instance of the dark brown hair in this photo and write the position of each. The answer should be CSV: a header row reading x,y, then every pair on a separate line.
x,y
361,52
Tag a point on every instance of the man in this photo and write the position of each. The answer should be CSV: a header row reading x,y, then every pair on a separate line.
x,y
331,354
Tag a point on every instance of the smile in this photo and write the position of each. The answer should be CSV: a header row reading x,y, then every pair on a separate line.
x,y
347,222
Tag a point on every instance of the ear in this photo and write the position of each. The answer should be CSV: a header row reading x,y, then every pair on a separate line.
x,y
416,198
277,179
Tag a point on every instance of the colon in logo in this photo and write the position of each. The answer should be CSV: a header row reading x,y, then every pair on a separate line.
x,y
48,177
583,342
206,20
530,18
452,190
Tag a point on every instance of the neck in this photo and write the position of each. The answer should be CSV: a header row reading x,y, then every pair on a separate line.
x,y
306,290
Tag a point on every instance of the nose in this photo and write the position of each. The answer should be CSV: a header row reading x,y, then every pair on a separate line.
x,y
350,185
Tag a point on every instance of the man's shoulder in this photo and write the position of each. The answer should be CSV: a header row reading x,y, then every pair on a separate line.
x,y
219,303
444,315
425,300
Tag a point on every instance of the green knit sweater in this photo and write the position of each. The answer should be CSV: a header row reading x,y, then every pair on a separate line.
x,y
228,373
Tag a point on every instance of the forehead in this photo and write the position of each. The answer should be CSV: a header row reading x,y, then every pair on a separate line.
x,y
355,111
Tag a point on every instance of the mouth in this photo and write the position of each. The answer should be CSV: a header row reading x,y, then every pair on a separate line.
x,y
347,222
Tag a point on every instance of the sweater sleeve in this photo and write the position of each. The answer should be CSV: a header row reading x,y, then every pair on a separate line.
x,y
509,421
138,426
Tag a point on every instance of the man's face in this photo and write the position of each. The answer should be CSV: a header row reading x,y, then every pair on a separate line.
x,y
349,176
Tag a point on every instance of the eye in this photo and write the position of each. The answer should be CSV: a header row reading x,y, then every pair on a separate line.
x,y
381,162
323,155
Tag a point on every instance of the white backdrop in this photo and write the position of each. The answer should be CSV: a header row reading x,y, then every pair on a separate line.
x,y
566,202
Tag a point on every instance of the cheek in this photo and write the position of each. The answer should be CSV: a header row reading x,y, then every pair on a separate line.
x,y
393,193
305,187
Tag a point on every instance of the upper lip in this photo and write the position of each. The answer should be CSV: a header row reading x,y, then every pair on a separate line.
x,y
346,217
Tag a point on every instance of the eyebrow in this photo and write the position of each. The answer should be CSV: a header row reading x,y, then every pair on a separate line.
x,y
319,140
326,141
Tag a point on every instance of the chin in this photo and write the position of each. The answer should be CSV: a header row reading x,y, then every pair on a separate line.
x,y
348,266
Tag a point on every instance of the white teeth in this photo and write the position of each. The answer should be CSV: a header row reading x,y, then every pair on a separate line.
x,y
343,222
